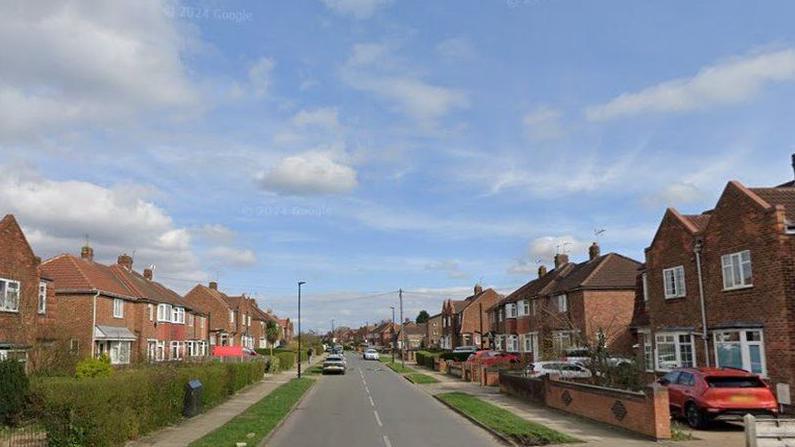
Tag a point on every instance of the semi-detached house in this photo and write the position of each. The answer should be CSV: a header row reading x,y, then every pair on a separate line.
x,y
465,322
718,288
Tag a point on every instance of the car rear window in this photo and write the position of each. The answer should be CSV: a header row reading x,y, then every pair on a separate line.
x,y
734,382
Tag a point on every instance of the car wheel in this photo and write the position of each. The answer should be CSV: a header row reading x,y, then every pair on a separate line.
x,y
695,419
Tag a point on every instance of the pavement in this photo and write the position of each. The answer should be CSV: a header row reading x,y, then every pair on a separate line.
x,y
373,406
192,429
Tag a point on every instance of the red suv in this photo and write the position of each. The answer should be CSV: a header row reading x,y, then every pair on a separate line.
x,y
491,358
704,394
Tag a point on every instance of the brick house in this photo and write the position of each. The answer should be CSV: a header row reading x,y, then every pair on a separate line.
x,y
287,329
465,322
433,331
116,311
413,334
718,287
223,317
26,295
568,306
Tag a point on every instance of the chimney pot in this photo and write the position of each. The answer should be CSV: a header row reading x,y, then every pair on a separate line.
x,y
594,251
213,285
87,253
542,270
148,273
478,289
561,259
125,261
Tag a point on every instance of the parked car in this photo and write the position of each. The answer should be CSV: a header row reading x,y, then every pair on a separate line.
x,y
334,364
701,395
567,370
370,354
582,356
466,349
488,357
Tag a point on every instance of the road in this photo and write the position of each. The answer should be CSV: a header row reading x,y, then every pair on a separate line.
x,y
373,406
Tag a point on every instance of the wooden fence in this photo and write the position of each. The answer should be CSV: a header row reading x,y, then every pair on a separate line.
x,y
769,432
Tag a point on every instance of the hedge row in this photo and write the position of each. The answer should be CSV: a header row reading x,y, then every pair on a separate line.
x,y
426,359
456,356
108,411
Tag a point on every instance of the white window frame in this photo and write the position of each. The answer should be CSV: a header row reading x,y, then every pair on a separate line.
x,y
559,336
677,350
734,269
231,317
525,306
562,303
42,304
179,354
510,310
178,315
164,313
5,290
645,284
151,309
118,308
530,341
745,352
513,343
647,347
677,277
119,352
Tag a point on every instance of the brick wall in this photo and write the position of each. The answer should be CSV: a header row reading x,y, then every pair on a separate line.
x,y
18,263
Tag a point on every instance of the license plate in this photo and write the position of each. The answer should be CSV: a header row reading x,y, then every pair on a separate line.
x,y
742,399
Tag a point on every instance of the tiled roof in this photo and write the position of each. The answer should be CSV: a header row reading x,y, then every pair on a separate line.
x,y
779,196
537,286
73,273
459,305
148,289
699,221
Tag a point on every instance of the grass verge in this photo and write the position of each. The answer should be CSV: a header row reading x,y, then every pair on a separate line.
x,y
421,379
399,368
257,421
504,422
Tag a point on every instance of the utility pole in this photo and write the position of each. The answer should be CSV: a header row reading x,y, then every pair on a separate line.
x,y
333,335
402,332
300,283
394,335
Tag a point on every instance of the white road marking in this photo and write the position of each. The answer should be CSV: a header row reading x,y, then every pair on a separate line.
x,y
378,419
372,402
367,389
386,441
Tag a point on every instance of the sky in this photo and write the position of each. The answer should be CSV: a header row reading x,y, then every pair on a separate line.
x,y
366,146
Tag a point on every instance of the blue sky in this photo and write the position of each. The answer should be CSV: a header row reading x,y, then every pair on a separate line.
x,y
369,145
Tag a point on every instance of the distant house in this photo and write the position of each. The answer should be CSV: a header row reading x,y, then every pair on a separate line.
x,y
26,294
717,287
433,331
413,334
568,306
466,322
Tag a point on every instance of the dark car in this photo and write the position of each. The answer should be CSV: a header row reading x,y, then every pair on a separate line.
x,y
704,394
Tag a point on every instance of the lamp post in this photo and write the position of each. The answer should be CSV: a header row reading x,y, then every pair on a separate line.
x,y
300,283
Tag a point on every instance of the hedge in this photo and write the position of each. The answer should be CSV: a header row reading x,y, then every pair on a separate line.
x,y
14,387
107,411
426,359
455,356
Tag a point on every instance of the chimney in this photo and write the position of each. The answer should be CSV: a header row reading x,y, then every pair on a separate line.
x,y
561,259
793,162
148,273
478,289
594,251
542,270
125,261
213,285
87,253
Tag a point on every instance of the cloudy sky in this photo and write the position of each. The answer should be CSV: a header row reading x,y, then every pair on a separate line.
x,y
369,145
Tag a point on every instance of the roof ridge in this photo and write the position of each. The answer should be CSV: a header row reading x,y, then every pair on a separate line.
x,y
599,266
121,276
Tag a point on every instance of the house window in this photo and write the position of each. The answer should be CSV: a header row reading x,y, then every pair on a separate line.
x,y
178,315
232,317
119,352
674,281
645,280
562,340
74,346
513,343
743,348
530,342
562,302
118,308
164,313
498,342
42,298
9,295
248,320
510,310
525,307
674,350
737,270
177,350
151,309
648,349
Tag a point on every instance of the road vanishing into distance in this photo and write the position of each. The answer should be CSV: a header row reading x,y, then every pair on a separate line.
x,y
372,406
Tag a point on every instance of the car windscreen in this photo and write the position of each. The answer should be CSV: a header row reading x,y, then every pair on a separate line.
x,y
734,382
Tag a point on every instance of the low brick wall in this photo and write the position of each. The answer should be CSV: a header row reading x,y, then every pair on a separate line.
x,y
645,412
455,369
489,376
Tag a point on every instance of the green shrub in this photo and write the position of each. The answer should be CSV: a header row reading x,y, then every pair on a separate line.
x,y
286,359
455,356
426,359
94,367
273,365
107,411
13,391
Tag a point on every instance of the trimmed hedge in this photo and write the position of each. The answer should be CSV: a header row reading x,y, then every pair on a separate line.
x,y
107,411
426,359
455,356
14,387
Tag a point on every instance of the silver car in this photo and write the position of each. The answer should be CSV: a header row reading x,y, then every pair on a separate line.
x,y
334,364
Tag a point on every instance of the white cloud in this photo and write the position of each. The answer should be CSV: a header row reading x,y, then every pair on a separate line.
x,y
260,76
675,194
455,48
730,82
450,267
324,117
235,257
87,63
359,9
543,123
57,214
309,173
545,248
216,233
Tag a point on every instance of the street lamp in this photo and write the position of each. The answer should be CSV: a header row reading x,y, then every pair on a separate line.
x,y
300,283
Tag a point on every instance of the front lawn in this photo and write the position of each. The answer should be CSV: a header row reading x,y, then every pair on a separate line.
x,y
421,379
521,431
399,368
254,424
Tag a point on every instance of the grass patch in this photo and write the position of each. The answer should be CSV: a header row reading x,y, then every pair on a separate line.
x,y
523,432
421,379
681,432
257,421
315,370
399,368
